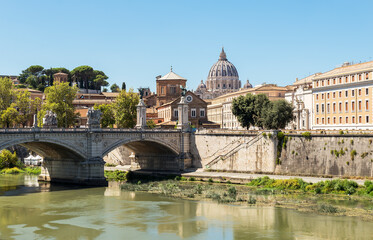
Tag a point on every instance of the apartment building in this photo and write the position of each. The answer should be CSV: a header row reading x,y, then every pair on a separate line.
x,y
342,97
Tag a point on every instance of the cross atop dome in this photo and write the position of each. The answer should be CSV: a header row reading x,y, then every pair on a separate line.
x,y
223,56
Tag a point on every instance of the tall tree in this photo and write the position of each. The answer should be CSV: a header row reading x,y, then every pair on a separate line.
x,y
257,110
107,117
278,114
125,109
51,71
34,77
82,75
6,93
123,86
8,117
8,159
24,106
59,99
248,109
114,88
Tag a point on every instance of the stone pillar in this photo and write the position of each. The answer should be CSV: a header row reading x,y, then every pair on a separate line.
x,y
35,125
141,115
183,115
84,172
134,164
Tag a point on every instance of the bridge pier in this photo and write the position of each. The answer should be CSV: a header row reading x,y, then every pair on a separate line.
x,y
89,172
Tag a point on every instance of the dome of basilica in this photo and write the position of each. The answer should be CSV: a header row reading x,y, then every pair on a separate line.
x,y
223,76
201,85
223,68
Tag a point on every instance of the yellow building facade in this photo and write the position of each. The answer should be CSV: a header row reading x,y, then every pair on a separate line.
x,y
342,97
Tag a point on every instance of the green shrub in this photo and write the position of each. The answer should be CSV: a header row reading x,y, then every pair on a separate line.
x,y
198,189
33,170
332,152
352,142
370,141
192,179
110,165
269,135
292,152
327,208
363,155
210,180
341,132
232,192
307,135
348,163
251,200
9,160
183,179
14,170
116,175
264,135
353,153
177,178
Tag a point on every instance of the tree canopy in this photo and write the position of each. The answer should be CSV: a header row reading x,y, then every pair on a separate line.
x,y
88,78
107,117
59,99
115,88
6,93
259,111
125,109
8,159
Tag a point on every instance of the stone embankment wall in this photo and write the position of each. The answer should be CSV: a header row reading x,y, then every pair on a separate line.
x,y
324,154
234,151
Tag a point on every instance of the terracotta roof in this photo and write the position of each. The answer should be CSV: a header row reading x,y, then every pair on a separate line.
x,y
306,80
60,73
92,101
169,123
347,69
171,76
110,94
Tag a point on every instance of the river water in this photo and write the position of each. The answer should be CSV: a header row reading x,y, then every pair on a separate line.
x,y
32,210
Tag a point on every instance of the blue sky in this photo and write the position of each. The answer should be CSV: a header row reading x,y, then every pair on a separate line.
x,y
134,41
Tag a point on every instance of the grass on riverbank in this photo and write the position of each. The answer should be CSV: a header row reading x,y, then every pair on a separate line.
x,y
16,170
336,186
337,197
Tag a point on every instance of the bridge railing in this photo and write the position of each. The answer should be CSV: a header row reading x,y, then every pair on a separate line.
x,y
72,130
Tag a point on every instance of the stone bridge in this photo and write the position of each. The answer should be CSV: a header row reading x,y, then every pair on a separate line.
x,y
76,155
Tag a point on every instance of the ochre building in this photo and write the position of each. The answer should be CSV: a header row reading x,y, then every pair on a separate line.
x,y
342,97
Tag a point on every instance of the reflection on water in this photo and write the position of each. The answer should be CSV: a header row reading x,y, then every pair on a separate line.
x,y
41,211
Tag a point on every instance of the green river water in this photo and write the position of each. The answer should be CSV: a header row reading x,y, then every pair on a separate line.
x,y
32,210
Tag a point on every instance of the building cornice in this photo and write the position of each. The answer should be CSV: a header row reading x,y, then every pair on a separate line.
x,y
343,86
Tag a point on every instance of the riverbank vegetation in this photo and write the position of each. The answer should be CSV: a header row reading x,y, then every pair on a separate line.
x,y
337,197
10,164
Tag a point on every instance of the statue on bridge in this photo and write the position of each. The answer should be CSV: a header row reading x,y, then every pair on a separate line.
x,y
94,117
183,91
50,120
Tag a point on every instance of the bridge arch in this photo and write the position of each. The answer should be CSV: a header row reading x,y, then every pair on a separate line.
x,y
149,153
131,142
48,148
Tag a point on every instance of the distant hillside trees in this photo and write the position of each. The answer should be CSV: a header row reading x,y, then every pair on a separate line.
x,y
39,78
